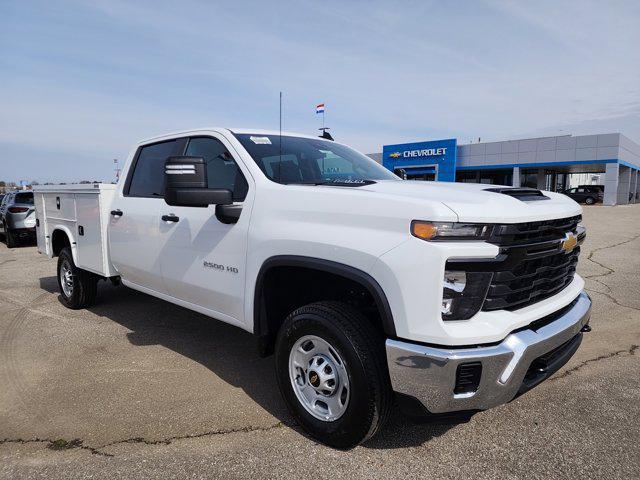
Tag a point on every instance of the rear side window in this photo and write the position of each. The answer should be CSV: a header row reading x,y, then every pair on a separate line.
x,y
26,198
148,174
222,170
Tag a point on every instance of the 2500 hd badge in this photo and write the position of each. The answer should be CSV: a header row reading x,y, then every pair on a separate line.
x,y
219,267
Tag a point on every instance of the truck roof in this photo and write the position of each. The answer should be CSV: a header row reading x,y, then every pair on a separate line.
x,y
256,131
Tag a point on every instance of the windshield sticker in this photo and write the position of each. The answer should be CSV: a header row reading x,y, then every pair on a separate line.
x,y
260,140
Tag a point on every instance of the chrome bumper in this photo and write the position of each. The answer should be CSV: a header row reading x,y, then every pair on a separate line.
x,y
429,374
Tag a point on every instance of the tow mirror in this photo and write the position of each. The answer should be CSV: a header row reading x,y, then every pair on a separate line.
x,y
186,184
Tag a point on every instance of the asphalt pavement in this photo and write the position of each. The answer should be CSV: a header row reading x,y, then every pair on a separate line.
x,y
135,387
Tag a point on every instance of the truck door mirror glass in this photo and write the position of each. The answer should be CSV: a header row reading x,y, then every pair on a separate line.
x,y
186,184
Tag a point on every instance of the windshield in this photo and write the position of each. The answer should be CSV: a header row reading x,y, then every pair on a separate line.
x,y
312,161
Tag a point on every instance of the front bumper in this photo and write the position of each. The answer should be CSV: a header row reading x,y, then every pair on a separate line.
x,y
428,374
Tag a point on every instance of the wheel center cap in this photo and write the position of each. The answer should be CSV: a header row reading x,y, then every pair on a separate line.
x,y
314,379
322,375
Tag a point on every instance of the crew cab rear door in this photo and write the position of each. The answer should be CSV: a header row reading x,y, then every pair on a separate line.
x,y
134,227
203,259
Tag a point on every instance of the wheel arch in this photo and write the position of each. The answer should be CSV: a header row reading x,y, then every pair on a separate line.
x,y
61,237
261,321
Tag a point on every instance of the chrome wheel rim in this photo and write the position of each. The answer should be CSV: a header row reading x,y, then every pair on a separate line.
x,y
66,279
319,378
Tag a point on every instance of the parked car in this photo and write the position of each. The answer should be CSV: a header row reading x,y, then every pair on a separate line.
x,y
17,217
588,194
445,297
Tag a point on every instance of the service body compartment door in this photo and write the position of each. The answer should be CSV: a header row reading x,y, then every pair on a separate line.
x,y
41,223
89,233
60,206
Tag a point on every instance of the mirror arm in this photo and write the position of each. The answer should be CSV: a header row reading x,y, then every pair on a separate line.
x,y
228,213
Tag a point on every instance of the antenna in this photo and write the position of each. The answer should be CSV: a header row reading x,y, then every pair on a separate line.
x,y
280,144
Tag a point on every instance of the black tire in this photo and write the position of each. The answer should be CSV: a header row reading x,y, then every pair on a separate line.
x,y
10,238
85,284
362,348
589,200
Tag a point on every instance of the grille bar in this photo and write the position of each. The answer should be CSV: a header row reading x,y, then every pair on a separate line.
x,y
529,232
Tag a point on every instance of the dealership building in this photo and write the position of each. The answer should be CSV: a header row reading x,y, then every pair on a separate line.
x,y
546,163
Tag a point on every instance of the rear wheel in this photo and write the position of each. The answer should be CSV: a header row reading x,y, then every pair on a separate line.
x,y
331,370
77,287
589,200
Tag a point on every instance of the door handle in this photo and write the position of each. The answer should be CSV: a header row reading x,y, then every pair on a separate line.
x,y
116,213
170,218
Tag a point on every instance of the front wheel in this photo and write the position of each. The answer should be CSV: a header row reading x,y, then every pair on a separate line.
x,y
77,287
331,370
590,200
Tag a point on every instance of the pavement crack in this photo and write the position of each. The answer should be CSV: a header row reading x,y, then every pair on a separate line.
x,y
597,277
62,444
630,351
611,297
609,270
210,433
57,444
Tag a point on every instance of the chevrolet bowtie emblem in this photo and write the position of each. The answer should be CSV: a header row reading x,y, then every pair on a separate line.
x,y
569,242
395,155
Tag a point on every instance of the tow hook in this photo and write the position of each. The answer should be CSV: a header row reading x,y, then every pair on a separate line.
x,y
586,328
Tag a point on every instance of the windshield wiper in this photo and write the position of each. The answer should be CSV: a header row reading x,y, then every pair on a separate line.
x,y
338,183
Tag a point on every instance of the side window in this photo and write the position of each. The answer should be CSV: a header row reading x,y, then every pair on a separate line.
x,y
222,170
148,174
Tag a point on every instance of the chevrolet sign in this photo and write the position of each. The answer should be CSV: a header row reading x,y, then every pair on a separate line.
x,y
414,156
426,152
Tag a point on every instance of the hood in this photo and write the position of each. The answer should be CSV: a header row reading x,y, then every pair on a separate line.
x,y
472,202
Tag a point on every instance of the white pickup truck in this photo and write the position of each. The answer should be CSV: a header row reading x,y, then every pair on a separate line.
x,y
443,297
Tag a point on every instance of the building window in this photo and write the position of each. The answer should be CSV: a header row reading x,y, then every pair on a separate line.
x,y
491,177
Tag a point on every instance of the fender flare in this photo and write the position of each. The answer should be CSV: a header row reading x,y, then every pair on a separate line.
x,y
367,281
72,242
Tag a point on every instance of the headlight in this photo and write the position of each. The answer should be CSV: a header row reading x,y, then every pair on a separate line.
x,y
463,293
449,230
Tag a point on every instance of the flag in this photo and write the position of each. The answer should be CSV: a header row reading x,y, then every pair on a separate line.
x,y
320,108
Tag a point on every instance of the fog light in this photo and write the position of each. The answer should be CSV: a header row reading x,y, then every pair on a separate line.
x,y
463,293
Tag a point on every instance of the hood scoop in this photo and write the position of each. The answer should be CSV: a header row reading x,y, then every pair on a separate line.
x,y
522,194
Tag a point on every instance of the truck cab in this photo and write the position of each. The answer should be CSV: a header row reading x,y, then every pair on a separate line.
x,y
369,289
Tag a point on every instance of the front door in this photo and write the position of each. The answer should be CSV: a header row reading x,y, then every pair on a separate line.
x,y
203,259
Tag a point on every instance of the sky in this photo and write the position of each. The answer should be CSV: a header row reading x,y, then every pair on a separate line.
x,y
81,82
